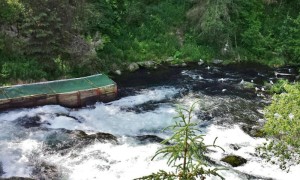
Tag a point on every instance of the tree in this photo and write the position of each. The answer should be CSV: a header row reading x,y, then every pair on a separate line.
x,y
52,31
186,152
211,19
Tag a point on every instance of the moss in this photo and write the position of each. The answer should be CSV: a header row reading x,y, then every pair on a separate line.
x,y
234,160
259,133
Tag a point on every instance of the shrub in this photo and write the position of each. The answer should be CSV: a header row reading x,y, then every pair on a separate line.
x,y
283,125
186,152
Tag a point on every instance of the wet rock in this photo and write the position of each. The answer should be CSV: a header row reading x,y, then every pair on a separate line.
x,y
146,107
217,61
133,67
200,62
234,160
247,85
118,72
259,133
144,139
78,119
1,169
28,121
43,170
64,140
148,64
100,136
17,178
253,131
169,59
234,147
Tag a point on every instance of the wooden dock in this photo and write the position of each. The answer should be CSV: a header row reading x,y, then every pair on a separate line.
x,y
75,92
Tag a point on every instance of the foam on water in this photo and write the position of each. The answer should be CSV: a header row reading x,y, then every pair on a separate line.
x,y
15,157
112,119
255,165
147,95
126,161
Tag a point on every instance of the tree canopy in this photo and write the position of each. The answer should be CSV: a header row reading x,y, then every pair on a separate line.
x,y
79,37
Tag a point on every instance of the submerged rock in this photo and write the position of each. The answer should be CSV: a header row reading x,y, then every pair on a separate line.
x,y
17,178
1,169
100,136
28,121
144,139
64,140
43,170
234,147
234,160
253,131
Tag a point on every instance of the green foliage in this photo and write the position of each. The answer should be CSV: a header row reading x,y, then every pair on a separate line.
x,y
89,36
194,52
10,11
186,152
16,67
279,86
283,124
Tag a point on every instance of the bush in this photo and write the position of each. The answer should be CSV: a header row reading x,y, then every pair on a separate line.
x,y
20,68
283,124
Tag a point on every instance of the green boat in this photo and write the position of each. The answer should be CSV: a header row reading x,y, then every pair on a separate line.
x,y
75,92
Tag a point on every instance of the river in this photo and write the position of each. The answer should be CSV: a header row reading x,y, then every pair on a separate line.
x,y
54,142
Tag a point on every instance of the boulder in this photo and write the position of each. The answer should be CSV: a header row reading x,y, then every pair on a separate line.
x,y
148,64
63,140
234,160
28,121
217,61
100,136
200,62
1,169
253,131
144,139
43,170
118,72
169,59
234,147
133,67
183,64
17,178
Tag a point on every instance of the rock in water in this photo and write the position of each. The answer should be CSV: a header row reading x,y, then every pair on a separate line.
x,y
234,160
64,140
201,62
43,170
1,169
133,67
28,121
149,139
234,147
118,72
148,64
17,178
217,61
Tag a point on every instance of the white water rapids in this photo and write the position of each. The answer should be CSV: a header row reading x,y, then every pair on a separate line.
x,y
21,149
